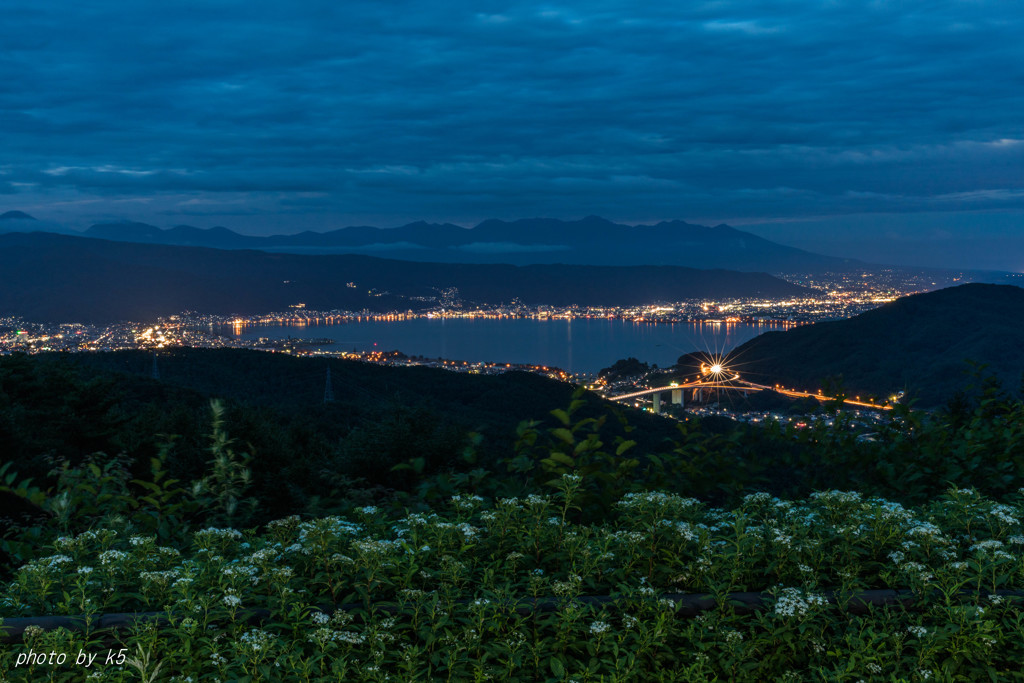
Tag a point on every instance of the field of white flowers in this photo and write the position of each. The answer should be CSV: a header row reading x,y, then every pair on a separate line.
x,y
521,589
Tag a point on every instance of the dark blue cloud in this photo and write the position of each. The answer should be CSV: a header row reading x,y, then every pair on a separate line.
x,y
269,116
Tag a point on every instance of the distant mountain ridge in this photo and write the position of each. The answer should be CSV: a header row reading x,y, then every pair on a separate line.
x,y
60,278
589,241
15,215
918,343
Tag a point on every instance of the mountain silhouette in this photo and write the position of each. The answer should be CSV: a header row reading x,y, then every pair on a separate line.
x,y
15,216
919,343
59,278
589,241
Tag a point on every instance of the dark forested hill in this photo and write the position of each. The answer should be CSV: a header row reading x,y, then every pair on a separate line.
x,y
69,406
66,279
919,343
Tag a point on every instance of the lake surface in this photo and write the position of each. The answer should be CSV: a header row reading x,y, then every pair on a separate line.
x,y
580,345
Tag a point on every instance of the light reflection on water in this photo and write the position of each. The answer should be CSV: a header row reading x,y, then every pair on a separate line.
x,y
579,345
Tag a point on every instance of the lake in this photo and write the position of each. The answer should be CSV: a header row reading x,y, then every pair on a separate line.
x,y
579,345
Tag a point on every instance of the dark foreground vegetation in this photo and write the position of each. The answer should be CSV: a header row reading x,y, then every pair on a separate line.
x,y
465,522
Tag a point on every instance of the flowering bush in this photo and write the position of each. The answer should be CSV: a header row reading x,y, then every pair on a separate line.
x,y
501,589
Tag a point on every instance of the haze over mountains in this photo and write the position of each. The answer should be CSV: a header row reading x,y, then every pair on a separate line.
x,y
590,241
65,279
918,343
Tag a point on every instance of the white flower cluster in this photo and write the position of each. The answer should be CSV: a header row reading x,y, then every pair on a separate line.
x,y
467,503
568,587
663,503
781,538
54,561
892,512
162,579
990,544
685,529
245,572
759,497
468,531
918,569
214,532
284,523
112,556
322,636
794,602
328,529
599,627
836,497
256,640
1004,513
64,544
264,556
928,531
627,537
376,548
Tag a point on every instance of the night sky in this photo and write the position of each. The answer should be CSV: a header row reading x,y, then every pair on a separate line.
x,y
890,131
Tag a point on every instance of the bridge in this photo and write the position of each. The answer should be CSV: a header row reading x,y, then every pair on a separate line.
x,y
733,383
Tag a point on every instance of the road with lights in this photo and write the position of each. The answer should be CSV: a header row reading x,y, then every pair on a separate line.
x,y
717,380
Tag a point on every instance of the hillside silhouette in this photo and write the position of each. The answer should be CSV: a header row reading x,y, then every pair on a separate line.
x,y
920,344
52,277
71,405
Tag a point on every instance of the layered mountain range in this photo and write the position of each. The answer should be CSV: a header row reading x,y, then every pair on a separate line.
x,y
64,278
590,241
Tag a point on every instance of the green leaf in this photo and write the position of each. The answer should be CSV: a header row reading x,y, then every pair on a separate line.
x,y
557,668
562,416
624,446
561,458
563,434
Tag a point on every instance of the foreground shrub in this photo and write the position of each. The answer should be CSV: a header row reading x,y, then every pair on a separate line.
x,y
449,594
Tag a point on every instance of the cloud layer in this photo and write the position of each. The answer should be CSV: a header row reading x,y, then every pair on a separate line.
x,y
274,117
